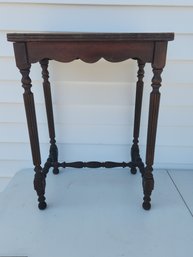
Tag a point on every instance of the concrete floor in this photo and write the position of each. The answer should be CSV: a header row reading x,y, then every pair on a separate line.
x,y
97,213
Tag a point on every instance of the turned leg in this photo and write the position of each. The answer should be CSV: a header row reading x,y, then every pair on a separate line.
x,y
148,181
53,155
135,157
39,179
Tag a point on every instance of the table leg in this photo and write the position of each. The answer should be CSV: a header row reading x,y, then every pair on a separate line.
x,y
148,181
39,179
135,156
53,156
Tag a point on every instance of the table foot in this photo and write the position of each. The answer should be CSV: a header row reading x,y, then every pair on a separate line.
x,y
148,185
133,170
42,205
39,186
146,206
55,171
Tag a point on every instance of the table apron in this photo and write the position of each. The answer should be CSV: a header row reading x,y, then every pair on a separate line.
x,y
90,52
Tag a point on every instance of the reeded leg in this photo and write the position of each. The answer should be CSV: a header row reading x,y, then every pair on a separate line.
x,y
39,180
148,181
53,155
135,157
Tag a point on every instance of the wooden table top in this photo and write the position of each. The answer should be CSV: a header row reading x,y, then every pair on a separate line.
x,y
77,36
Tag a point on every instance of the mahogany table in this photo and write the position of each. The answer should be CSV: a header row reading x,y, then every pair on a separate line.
x,y
90,47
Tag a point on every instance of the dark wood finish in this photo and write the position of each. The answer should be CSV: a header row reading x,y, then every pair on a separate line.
x,y
94,164
70,51
39,178
53,157
79,36
90,47
135,156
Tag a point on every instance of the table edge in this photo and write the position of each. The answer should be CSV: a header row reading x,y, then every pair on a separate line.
x,y
43,37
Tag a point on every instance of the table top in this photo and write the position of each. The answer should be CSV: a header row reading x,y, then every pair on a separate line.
x,y
77,36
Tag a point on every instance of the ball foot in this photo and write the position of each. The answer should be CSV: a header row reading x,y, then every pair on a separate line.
x,y
42,205
146,206
55,171
133,170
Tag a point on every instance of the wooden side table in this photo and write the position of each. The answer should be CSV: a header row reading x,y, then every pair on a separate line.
x,y
90,47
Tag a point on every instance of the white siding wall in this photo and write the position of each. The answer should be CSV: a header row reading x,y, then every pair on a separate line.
x,y
94,104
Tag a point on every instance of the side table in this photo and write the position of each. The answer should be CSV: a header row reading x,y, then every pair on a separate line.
x,y
90,47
